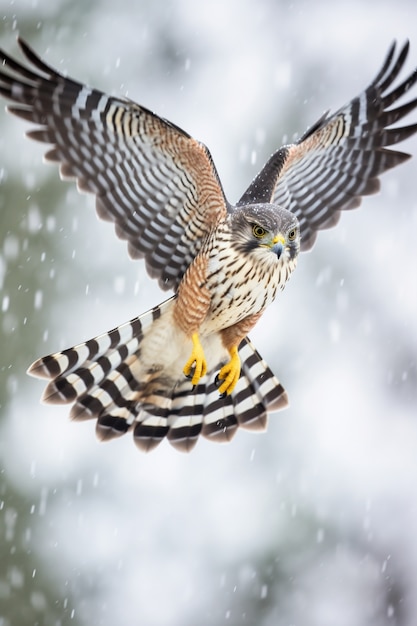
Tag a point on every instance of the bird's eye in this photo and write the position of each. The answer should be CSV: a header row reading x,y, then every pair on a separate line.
x,y
258,231
292,234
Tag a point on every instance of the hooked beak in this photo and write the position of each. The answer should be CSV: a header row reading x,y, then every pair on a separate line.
x,y
278,244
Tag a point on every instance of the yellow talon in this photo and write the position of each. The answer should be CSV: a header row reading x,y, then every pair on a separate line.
x,y
197,359
230,372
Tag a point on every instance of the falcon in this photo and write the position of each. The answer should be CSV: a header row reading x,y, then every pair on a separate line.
x,y
187,367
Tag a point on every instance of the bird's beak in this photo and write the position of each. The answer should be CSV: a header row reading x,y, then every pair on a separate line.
x,y
278,244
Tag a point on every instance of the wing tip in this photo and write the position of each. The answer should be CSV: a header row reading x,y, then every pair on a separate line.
x,y
26,49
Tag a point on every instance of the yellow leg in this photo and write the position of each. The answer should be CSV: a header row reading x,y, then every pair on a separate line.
x,y
197,359
230,372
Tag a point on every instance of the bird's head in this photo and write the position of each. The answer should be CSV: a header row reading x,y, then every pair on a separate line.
x,y
266,228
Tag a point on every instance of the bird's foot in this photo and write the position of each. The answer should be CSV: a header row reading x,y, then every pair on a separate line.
x,y
229,373
196,366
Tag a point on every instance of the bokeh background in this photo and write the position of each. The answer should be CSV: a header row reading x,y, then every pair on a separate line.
x,y
313,522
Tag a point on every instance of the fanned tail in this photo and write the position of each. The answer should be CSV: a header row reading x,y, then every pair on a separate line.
x,y
110,378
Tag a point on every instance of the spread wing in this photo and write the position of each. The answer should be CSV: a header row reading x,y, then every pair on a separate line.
x,y
339,159
151,179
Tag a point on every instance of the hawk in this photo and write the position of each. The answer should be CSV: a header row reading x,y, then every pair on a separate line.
x,y
187,367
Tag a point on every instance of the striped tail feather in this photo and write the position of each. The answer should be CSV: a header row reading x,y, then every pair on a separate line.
x,y
106,380
204,412
63,363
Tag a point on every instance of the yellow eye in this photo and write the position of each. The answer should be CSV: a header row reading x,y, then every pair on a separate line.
x,y
292,234
258,231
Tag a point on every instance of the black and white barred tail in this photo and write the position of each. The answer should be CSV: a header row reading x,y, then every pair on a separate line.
x,y
106,378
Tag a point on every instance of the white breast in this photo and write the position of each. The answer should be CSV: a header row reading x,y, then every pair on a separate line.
x,y
242,285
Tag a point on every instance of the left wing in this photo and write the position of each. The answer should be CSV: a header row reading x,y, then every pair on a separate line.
x,y
339,159
157,184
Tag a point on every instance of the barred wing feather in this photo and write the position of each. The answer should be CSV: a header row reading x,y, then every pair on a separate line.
x,y
156,183
339,159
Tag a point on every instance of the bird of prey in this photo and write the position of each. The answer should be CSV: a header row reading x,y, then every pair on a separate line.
x,y
187,367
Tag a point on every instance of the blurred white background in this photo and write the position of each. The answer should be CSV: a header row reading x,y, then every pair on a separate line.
x,y
315,521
